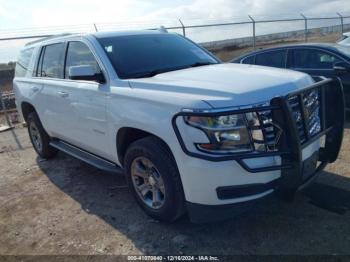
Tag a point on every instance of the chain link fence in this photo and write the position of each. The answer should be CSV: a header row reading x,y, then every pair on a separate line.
x,y
250,33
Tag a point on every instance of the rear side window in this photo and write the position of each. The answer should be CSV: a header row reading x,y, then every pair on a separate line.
x,y
79,54
51,61
273,58
23,62
248,60
313,59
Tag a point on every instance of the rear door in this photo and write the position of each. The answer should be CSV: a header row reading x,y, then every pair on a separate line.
x,y
273,58
49,74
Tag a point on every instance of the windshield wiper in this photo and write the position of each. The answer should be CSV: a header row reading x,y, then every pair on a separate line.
x,y
201,64
159,71
155,72
148,74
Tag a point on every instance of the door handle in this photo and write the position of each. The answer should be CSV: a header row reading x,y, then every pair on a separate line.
x,y
34,89
62,94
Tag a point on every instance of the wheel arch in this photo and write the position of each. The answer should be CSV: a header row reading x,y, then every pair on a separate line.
x,y
127,135
26,109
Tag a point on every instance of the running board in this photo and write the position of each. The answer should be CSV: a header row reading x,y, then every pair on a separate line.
x,y
86,157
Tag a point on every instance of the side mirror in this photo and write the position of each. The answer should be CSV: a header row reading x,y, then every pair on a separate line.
x,y
85,72
341,67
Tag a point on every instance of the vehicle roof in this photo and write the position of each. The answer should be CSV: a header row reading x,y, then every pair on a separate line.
x,y
347,34
329,46
60,37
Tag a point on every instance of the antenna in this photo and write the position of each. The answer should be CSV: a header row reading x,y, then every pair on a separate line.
x,y
162,29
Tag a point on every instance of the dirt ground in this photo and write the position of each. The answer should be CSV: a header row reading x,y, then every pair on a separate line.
x,y
63,206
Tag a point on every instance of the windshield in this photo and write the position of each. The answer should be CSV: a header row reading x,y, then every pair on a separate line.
x,y
135,56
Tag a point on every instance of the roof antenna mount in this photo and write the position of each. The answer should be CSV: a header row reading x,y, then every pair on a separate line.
x,y
162,29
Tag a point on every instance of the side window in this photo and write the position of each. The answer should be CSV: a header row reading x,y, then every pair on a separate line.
x,y
79,54
313,59
51,61
248,60
272,58
23,62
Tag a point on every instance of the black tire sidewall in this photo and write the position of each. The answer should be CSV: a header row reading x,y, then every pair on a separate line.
x,y
167,168
47,151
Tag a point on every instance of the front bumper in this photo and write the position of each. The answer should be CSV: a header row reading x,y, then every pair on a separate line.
x,y
295,156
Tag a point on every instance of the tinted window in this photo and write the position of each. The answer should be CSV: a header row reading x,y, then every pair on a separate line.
x,y
52,61
23,62
273,58
79,54
142,55
314,59
248,60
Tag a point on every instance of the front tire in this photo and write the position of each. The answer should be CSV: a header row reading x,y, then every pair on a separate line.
x,y
39,138
154,180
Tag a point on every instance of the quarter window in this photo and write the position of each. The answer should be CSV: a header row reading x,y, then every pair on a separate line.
x,y
272,58
51,61
79,54
23,62
248,60
313,59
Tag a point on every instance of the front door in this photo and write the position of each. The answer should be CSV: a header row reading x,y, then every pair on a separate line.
x,y
317,62
86,113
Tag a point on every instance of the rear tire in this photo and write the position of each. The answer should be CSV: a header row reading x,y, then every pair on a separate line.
x,y
154,179
39,138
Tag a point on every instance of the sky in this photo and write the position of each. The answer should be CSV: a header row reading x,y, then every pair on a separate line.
x,y
20,16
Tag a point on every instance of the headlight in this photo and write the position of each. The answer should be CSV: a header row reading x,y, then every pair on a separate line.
x,y
227,134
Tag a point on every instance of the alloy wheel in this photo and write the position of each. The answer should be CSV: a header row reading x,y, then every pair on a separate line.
x,y
148,182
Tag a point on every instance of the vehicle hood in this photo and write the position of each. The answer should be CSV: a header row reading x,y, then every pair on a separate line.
x,y
226,85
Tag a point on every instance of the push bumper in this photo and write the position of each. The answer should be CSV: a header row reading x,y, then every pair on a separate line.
x,y
295,169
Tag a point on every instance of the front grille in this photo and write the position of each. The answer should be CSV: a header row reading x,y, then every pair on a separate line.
x,y
265,133
306,112
311,100
268,128
295,105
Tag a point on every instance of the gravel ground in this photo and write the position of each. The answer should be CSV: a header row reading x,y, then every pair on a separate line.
x,y
63,206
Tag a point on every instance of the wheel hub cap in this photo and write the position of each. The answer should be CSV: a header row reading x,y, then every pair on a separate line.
x,y
151,181
35,136
148,182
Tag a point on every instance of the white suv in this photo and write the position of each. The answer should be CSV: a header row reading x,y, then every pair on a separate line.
x,y
190,133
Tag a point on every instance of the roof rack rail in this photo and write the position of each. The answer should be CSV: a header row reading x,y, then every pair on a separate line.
x,y
47,38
